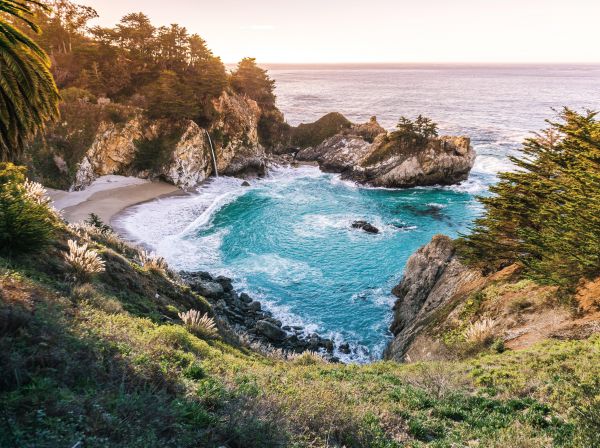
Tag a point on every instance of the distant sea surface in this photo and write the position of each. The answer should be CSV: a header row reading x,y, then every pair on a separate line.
x,y
496,105
287,240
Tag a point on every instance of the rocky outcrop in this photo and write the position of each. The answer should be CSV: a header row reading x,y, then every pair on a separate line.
x,y
366,226
246,316
433,276
367,154
234,134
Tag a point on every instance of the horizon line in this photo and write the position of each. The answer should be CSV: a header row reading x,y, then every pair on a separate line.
x,y
427,63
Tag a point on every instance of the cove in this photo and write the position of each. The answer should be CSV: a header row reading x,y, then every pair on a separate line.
x,y
288,241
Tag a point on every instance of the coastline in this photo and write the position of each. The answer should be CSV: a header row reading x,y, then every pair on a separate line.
x,y
108,196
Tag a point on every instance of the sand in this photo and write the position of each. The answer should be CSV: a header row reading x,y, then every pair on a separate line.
x,y
107,196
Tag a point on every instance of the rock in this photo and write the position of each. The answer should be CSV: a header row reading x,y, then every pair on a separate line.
x,y
271,331
208,289
114,147
245,184
254,306
344,348
432,277
245,298
225,282
364,225
367,154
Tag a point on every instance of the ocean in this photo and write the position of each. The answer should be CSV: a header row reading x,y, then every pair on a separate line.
x,y
287,240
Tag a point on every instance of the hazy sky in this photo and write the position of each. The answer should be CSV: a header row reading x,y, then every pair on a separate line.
x,y
381,30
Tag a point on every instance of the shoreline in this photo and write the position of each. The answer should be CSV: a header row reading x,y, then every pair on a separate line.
x,y
108,197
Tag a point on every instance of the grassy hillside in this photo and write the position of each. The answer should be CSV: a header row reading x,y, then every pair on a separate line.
x,y
104,359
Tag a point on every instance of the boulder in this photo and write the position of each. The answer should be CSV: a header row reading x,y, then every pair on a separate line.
x,y
245,298
270,330
208,289
225,282
364,225
254,306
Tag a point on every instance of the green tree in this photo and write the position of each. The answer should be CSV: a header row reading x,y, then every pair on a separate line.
x,y
28,94
546,214
250,79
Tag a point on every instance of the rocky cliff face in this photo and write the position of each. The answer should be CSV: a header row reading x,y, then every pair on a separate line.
x,y
447,310
433,276
234,135
367,154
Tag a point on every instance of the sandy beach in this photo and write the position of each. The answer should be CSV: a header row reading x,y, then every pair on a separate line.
x,y
107,196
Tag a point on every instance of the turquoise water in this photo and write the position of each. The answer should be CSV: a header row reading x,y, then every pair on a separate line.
x,y
288,241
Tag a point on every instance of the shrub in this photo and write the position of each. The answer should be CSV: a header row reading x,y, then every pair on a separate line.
x,y
201,325
85,262
27,221
94,220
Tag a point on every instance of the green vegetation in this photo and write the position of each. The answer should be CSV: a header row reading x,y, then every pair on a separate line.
x,y
165,70
106,361
154,152
409,136
546,215
421,129
28,95
312,134
26,219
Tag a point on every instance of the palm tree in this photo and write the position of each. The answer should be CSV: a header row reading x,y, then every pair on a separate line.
x,y
28,94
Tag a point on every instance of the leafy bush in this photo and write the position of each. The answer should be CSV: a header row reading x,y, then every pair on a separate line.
x,y
27,221
546,214
312,134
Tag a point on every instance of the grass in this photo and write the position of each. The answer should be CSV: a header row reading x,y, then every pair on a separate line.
x,y
108,363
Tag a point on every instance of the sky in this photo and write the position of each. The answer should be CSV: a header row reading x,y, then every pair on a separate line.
x,y
370,31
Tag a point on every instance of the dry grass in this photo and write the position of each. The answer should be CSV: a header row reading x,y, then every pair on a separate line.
x,y
85,262
201,325
153,262
481,331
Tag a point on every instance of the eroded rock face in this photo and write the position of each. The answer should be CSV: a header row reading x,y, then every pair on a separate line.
x,y
365,154
432,277
234,135
441,161
112,150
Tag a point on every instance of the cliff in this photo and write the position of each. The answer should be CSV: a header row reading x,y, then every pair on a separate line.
x,y
122,140
446,309
368,154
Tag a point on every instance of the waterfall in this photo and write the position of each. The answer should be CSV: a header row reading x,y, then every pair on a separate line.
x,y
212,150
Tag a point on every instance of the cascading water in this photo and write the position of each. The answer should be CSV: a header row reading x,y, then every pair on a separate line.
x,y
212,150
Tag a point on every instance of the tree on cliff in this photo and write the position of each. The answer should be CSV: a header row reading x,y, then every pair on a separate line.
x,y
28,95
250,79
546,214
420,130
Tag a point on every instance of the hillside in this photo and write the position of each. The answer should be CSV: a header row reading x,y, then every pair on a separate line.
x,y
105,361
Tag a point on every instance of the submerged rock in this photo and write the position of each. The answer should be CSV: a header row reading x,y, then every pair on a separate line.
x,y
364,225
